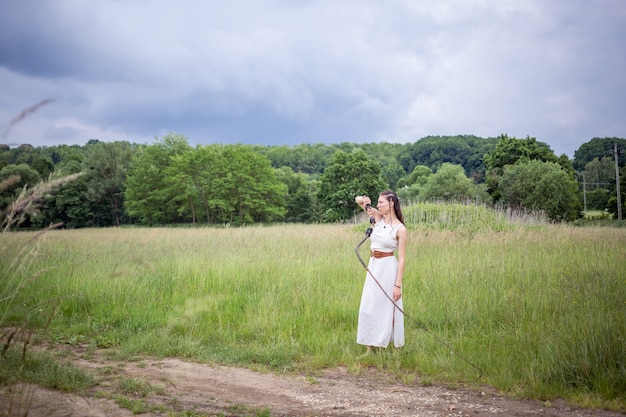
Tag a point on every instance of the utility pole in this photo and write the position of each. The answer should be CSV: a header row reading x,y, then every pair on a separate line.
x,y
619,196
584,192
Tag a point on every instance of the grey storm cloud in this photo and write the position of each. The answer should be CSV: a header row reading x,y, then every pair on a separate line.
x,y
289,72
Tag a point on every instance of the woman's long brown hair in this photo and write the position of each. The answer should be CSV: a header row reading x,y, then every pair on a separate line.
x,y
391,196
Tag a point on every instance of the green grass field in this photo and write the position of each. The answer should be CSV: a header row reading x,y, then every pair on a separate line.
x,y
540,309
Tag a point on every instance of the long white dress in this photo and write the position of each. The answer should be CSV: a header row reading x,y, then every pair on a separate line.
x,y
380,322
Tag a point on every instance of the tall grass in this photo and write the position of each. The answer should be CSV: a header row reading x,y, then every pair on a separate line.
x,y
22,315
470,217
541,310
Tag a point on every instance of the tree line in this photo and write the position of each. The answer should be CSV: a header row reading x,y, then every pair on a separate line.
x,y
172,182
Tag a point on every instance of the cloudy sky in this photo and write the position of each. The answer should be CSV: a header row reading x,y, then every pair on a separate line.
x,y
286,72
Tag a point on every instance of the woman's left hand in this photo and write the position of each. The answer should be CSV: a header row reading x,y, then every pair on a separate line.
x,y
397,293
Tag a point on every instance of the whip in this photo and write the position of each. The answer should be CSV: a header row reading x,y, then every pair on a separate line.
x,y
368,233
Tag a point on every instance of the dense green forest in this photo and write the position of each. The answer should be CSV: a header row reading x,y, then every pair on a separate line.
x,y
169,181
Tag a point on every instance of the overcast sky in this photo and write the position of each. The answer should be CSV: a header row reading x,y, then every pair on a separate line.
x,y
286,72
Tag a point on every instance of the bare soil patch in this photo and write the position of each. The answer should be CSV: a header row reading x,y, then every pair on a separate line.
x,y
228,391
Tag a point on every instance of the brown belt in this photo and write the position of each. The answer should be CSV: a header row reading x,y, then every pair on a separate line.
x,y
378,254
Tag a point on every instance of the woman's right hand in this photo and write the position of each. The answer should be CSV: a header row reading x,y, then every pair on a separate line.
x,y
367,203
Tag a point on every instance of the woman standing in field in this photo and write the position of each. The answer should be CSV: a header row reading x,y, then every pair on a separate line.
x,y
380,321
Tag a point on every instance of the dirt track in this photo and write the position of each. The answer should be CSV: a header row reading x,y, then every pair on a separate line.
x,y
227,391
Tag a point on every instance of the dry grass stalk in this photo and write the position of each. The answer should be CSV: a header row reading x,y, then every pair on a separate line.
x,y
29,200
24,114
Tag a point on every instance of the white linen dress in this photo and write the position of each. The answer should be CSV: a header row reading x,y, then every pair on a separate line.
x,y
380,322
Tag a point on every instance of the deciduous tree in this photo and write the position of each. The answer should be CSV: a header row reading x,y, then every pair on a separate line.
x,y
24,175
300,199
597,148
225,183
510,150
538,185
449,183
105,166
349,175
147,198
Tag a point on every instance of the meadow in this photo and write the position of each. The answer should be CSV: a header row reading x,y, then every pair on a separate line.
x,y
539,308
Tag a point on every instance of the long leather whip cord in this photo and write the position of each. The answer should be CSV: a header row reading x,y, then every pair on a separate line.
x,y
368,233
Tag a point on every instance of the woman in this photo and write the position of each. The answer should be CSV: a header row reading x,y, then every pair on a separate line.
x,y
380,321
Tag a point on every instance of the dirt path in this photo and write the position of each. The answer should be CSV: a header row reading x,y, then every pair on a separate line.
x,y
175,385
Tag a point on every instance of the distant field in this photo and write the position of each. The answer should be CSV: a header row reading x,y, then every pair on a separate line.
x,y
595,214
540,309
